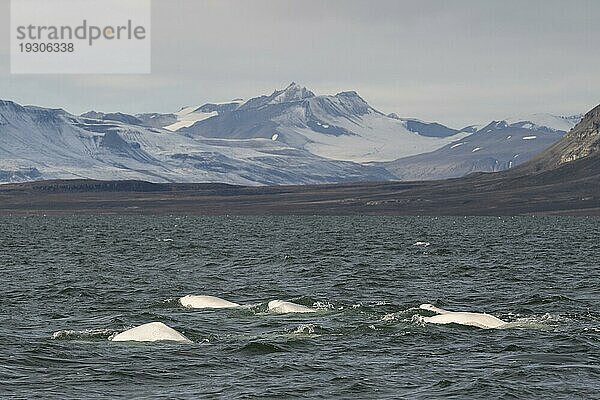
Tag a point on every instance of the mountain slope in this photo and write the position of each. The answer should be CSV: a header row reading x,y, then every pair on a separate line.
x,y
341,127
38,143
496,147
429,129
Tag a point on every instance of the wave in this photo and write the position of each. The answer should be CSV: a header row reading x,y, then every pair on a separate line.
x,y
539,300
407,315
260,348
309,329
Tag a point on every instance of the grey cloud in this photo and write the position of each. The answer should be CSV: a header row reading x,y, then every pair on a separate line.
x,y
457,62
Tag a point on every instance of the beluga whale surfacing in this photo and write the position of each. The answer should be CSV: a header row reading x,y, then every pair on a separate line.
x,y
191,301
152,332
286,307
479,320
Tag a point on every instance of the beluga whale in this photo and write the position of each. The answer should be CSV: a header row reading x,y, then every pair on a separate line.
x,y
152,332
191,301
286,307
479,320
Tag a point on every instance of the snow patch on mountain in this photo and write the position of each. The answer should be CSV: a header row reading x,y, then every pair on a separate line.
x,y
188,116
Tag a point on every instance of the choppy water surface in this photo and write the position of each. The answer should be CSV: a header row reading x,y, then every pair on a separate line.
x,y
68,284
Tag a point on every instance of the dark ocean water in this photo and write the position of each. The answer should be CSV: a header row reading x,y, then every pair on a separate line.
x,y
68,284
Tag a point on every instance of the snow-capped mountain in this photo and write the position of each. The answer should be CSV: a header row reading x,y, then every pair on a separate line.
x,y
289,137
340,127
498,146
38,143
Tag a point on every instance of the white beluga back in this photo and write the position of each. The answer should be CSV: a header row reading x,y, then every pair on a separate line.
x,y
285,307
191,301
479,320
152,332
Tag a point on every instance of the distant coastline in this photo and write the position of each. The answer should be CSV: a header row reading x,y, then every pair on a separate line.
x,y
482,194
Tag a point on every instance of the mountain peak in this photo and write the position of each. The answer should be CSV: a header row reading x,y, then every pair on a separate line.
x,y
293,92
348,93
9,105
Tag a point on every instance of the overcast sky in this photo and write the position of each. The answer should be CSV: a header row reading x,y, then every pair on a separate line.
x,y
457,62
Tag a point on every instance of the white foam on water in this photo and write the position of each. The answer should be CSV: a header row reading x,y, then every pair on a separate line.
x,y
390,317
70,334
422,244
544,322
304,329
401,316
418,320
323,305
